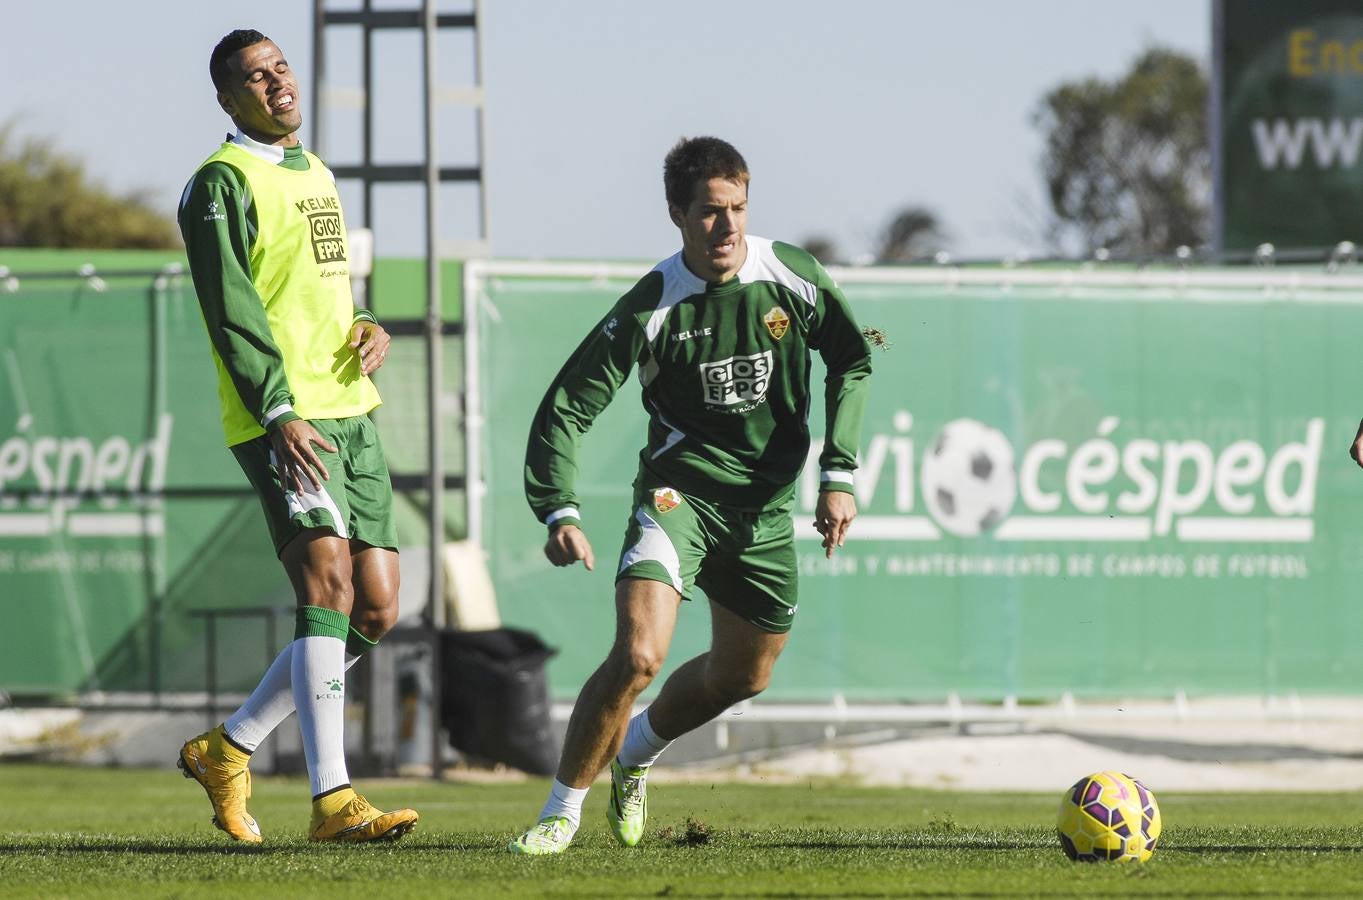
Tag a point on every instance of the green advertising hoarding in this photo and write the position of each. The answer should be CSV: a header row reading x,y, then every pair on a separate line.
x,y
1288,123
1120,485
123,517
120,509
1067,486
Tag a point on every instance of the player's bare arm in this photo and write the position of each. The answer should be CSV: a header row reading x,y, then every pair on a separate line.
x,y
370,342
1356,448
566,545
833,515
293,442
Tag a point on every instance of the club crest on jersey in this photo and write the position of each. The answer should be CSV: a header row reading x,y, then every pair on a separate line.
x,y
666,499
777,322
736,380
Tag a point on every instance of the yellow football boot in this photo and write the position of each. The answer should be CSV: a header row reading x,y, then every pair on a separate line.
x,y
357,820
222,771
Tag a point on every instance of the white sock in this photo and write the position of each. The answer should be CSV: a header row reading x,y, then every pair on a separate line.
x,y
642,745
564,801
318,669
269,704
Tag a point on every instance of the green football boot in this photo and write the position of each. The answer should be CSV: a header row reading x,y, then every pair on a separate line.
x,y
551,834
627,811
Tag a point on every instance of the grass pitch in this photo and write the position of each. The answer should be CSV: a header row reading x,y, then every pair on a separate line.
x,y
118,833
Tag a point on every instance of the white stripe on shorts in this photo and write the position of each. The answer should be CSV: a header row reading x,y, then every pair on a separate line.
x,y
653,546
310,499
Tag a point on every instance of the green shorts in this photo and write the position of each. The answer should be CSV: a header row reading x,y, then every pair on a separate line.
x,y
742,560
356,502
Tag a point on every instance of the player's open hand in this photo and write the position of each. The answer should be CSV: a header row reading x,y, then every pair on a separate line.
x,y
294,457
1356,448
833,515
370,342
566,545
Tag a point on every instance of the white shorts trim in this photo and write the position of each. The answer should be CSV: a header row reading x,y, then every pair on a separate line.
x,y
653,546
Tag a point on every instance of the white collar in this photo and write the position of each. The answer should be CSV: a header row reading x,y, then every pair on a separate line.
x,y
269,152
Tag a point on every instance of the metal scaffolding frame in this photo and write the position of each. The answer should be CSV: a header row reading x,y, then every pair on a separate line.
x,y
429,173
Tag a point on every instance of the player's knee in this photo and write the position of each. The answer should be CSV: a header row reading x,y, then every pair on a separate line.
x,y
735,687
638,665
374,622
331,590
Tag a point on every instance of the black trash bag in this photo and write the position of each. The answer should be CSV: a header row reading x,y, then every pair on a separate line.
x,y
495,697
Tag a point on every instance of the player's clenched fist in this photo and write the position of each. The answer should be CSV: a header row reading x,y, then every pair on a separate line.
x,y
566,545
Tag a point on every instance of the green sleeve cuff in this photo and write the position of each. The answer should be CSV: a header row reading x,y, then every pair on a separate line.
x,y
566,520
568,515
277,422
840,487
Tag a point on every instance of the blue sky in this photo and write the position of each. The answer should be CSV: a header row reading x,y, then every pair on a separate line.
x,y
845,112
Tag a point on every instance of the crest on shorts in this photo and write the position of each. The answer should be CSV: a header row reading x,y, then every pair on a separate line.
x,y
666,500
777,322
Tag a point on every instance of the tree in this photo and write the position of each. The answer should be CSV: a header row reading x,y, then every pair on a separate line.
x,y
1127,163
914,233
47,201
822,248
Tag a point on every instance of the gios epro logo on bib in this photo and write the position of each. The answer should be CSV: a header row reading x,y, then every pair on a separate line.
x,y
736,380
324,225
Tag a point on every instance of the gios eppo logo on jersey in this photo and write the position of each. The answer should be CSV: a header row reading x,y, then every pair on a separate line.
x,y
736,380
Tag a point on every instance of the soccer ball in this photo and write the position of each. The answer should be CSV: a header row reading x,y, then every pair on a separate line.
x,y
968,480
1109,816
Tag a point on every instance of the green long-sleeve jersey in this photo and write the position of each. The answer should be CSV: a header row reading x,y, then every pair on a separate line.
x,y
725,373
267,377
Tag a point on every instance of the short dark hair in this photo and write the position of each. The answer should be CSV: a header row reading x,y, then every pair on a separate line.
x,y
696,159
231,43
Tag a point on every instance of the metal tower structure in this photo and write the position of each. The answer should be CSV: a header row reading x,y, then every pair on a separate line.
x,y
431,175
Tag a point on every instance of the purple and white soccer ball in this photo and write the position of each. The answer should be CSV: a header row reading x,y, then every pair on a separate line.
x,y
969,480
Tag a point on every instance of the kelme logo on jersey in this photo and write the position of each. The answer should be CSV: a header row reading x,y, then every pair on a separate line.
x,y
736,380
777,322
666,499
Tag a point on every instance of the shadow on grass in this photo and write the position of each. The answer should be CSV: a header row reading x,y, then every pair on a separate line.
x,y
907,845
1262,848
429,843
934,839
133,845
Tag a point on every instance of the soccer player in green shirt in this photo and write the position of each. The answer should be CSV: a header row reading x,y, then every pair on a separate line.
x,y
266,241
722,334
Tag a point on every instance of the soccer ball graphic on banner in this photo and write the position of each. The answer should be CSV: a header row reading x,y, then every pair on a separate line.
x,y
968,479
1109,816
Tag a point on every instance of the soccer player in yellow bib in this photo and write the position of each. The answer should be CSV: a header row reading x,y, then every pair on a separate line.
x,y
266,242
